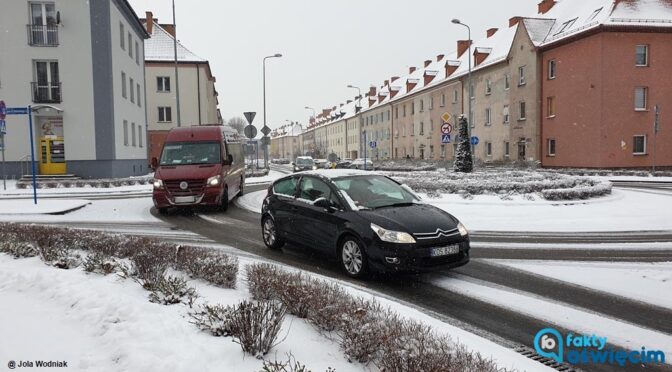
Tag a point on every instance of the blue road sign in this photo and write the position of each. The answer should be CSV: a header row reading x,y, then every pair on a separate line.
x,y
445,138
474,140
3,127
17,110
372,144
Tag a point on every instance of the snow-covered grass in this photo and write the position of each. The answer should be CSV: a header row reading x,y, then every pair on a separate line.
x,y
127,210
27,206
636,280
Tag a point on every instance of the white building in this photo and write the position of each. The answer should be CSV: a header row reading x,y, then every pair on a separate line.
x,y
86,59
198,96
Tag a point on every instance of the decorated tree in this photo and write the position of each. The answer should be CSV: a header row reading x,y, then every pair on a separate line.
x,y
463,161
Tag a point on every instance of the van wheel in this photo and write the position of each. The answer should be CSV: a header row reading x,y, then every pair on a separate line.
x,y
224,205
241,188
163,210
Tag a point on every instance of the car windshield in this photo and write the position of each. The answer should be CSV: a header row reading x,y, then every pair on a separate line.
x,y
304,161
181,153
370,192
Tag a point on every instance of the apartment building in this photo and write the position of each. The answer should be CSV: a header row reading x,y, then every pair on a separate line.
x,y
198,95
79,65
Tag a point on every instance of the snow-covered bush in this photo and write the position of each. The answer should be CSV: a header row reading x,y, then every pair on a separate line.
x,y
171,290
101,264
403,165
255,325
214,319
366,330
149,268
215,267
264,281
290,365
18,249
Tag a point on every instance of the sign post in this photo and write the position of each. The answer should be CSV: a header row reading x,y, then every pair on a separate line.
x,y
22,111
656,128
3,131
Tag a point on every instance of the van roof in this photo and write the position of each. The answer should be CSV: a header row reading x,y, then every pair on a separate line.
x,y
203,133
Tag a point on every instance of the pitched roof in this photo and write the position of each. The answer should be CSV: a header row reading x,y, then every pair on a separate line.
x,y
159,47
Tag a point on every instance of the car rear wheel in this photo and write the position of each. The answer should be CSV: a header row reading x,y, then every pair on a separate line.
x,y
353,258
270,234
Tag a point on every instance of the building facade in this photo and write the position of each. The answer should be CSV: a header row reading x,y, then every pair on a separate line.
x,y
79,65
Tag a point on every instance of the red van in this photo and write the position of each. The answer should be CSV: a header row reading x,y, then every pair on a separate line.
x,y
199,165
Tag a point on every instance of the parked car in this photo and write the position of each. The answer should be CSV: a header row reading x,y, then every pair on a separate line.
x,y
319,163
199,165
303,163
359,164
344,164
368,222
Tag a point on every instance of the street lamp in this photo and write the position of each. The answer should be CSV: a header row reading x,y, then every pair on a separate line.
x,y
359,104
277,55
457,22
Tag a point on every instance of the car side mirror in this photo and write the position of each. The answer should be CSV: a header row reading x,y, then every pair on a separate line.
x,y
292,163
322,203
154,163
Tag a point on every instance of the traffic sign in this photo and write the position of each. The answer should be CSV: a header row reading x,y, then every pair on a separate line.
x,y
250,131
372,144
249,116
446,128
445,117
265,130
445,138
474,140
3,127
3,110
265,141
17,110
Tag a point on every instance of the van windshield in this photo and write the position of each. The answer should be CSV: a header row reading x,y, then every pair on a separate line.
x,y
179,153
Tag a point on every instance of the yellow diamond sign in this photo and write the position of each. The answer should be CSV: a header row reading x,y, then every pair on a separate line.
x,y
445,117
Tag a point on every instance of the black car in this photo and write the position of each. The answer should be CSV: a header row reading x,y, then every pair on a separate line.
x,y
303,163
367,221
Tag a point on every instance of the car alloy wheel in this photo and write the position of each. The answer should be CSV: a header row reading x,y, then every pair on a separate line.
x,y
270,234
353,258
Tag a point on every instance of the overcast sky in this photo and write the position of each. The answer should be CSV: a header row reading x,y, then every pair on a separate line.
x,y
326,45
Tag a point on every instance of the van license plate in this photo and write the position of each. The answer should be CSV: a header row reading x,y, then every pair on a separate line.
x,y
444,251
184,199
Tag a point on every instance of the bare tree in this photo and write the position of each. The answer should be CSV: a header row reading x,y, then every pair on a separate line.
x,y
237,123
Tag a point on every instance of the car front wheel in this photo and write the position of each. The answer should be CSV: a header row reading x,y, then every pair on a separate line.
x,y
353,257
270,234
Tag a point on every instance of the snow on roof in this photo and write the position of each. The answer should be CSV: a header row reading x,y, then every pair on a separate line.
x,y
337,173
538,29
159,47
648,12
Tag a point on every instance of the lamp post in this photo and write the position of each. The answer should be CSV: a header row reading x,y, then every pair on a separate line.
x,y
177,77
457,22
277,55
359,104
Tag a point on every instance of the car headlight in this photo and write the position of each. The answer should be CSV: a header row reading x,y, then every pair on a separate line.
x,y
214,180
392,236
463,230
158,184
296,168
314,167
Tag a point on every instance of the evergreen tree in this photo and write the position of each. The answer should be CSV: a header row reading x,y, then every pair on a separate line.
x,y
463,162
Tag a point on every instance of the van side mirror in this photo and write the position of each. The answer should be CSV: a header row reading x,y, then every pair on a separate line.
x,y
154,163
228,160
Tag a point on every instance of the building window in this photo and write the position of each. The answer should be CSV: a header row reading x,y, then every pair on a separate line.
x,y
550,107
43,29
487,116
443,99
163,84
566,26
165,115
443,151
412,132
551,69
506,149
132,91
431,103
138,89
642,55
639,145
471,91
133,134
488,149
140,135
422,105
125,132
137,53
521,110
550,147
505,113
47,85
122,35
388,115
404,110
507,84
130,44
455,96
412,108
396,112
521,75
641,94
488,87
595,13
422,128
123,84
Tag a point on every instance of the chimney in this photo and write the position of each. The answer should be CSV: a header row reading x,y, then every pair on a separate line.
x,y
545,5
169,28
333,108
348,102
394,78
411,70
462,46
387,82
149,22
439,57
325,112
342,104
492,31
514,21
428,62
372,91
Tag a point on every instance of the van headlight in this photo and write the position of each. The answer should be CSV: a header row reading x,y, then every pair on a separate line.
x,y
214,180
314,167
463,230
392,236
158,184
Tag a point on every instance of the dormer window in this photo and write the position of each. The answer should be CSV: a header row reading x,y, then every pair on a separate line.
x,y
595,13
566,26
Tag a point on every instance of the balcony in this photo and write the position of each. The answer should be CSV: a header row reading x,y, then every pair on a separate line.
x,y
39,35
46,92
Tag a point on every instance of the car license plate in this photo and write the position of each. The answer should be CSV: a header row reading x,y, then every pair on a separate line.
x,y
444,251
184,199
